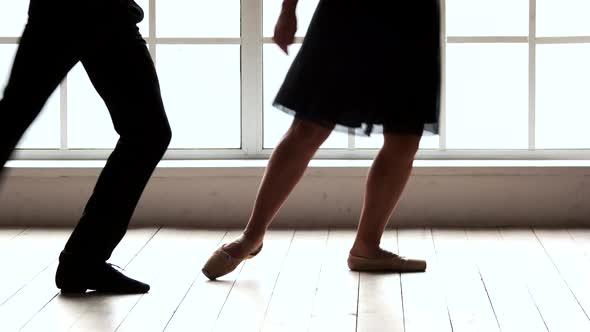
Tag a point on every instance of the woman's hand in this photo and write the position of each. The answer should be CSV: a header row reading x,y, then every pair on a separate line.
x,y
285,28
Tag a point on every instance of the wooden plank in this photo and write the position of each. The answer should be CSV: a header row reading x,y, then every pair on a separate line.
x,y
515,309
291,304
25,304
22,307
570,261
425,307
558,307
9,233
166,258
203,302
26,256
185,256
520,276
467,299
581,237
63,311
380,298
336,301
248,300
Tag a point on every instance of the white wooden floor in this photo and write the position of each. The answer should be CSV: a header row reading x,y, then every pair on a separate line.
x,y
524,280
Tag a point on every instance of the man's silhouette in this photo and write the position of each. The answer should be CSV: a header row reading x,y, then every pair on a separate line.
x,y
103,36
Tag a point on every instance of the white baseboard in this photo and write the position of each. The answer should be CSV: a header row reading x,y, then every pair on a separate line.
x,y
220,194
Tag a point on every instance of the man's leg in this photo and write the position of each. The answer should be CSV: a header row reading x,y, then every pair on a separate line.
x,y
43,59
121,69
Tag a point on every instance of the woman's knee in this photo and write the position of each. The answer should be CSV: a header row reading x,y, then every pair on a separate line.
x,y
402,146
309,132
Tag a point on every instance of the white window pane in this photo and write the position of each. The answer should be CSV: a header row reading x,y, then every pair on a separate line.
x,y
488,17
198,18
563,108
13,17
89,123
272,8
201,91
44,132
487,96
144,25
376,141
276,122
563,17
14,13
373,142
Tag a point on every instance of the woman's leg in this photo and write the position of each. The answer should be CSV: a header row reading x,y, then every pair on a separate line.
x,y
385,183
285,168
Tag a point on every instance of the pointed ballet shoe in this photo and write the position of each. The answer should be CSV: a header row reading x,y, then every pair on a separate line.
x,y
389,263
222,263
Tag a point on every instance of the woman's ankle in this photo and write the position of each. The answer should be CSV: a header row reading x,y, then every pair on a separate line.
x,y
365,249
243,245
254,235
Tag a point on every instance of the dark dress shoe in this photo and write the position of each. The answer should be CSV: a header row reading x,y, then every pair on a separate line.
x,y
76,275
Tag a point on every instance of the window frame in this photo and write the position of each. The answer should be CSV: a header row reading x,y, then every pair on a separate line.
x,y
252,41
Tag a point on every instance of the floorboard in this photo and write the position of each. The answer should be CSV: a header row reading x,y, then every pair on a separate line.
x,y
425,306
184,252
26,256
336,301
63,312
380,305
248,300
493,280
291,305
514,307
469,306
557,305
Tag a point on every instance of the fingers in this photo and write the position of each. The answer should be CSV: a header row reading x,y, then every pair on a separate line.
x,y
285,49
283,38
284,34
282,42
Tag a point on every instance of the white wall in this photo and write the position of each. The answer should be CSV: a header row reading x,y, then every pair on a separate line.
x,y
220,194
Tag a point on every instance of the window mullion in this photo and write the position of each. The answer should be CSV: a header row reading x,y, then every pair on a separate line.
x,y
63,114
152,29
251,71
532,72
443,68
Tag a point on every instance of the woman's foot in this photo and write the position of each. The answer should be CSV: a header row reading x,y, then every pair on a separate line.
x,y
380,260
225,259
243,246
361,250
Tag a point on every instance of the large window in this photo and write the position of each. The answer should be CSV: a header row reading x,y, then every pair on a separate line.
x,y
517,73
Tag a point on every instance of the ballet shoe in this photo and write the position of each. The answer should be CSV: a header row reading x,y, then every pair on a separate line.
x,y
221,262
390,262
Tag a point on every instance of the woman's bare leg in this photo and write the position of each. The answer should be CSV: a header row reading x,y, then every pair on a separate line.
x,y
286,166
385,183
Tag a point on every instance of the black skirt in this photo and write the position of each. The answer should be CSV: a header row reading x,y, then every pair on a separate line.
x,y
371,66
